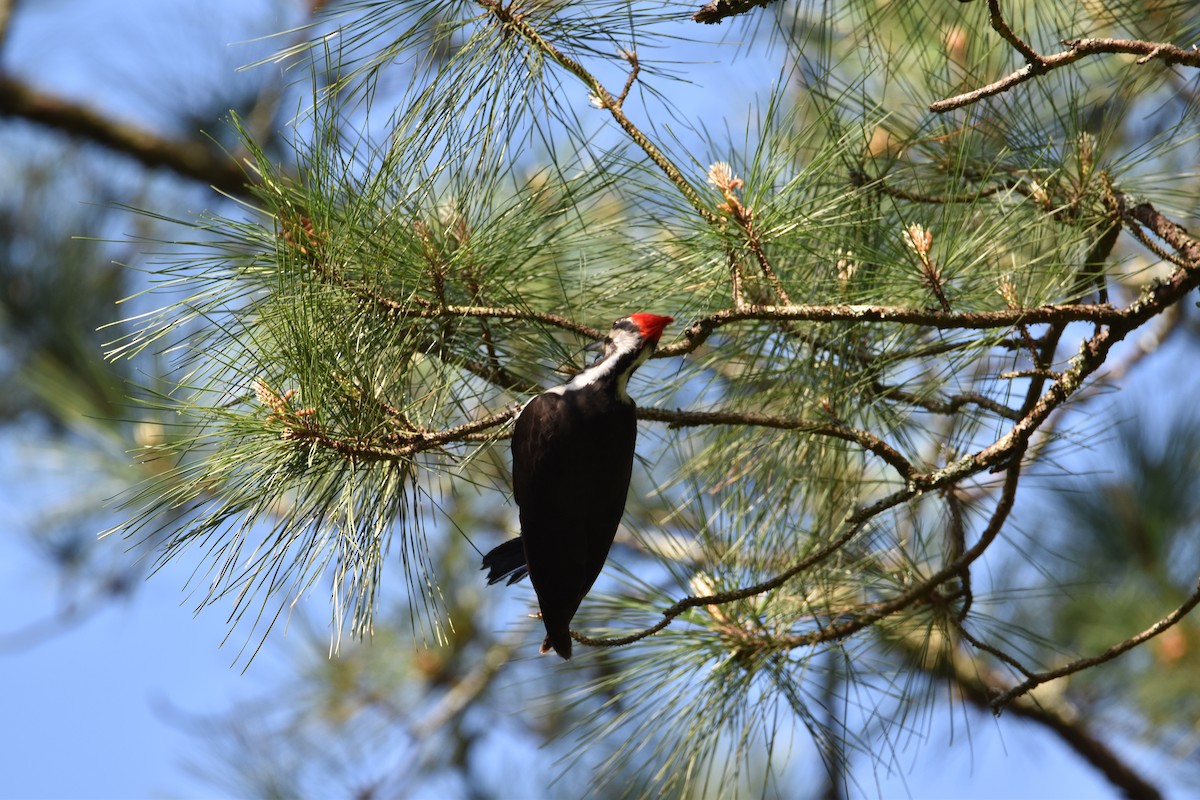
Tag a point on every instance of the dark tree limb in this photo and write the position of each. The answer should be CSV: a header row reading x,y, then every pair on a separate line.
x,y
191,159
713,12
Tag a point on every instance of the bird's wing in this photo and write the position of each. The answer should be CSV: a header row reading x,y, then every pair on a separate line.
x,y
538,447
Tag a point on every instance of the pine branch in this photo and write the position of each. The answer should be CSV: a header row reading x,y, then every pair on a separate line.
x,y
511,18
1036,408
1076,49
1007,451
699,330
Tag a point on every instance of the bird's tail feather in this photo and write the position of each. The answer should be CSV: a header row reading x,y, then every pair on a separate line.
x,y
506,561
559,641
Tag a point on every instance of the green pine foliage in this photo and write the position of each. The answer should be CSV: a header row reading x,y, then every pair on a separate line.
x,y
352,347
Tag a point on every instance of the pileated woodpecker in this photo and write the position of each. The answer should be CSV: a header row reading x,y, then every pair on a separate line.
x,y
572,449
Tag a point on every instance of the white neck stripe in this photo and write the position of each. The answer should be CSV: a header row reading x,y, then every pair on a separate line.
x,y
607,368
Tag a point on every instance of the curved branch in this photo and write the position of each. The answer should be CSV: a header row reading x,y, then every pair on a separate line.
x,y
977,686
865,439
670,614
852,525
1076,49
948,405
1170,232
998,703
925,589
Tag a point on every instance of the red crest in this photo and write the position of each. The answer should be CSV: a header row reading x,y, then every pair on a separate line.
x,y
651,325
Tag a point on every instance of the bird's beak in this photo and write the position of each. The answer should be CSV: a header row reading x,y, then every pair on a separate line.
x,y
595,347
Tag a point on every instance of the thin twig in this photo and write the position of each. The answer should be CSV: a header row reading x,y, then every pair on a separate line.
x,y
1173,234
722,177
1001,27
976,683
764,264
968,197
1187,246
949,405
511,19
398,445
837,430
735,278
634,69
957,545
978,644
1139,233
1118,649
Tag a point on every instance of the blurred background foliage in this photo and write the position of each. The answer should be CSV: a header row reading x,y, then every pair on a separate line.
x,y
367,151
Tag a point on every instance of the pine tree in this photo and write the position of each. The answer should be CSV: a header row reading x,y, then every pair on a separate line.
x,y
931,236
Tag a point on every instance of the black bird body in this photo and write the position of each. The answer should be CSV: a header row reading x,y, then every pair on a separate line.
x,y
573,449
